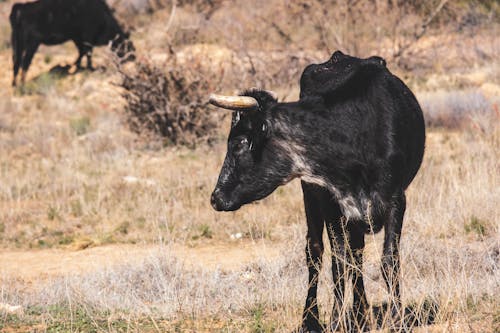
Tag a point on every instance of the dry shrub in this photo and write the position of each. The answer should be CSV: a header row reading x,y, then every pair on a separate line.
x,y
207,7
391,29
170,105
239,69
456,109
131,8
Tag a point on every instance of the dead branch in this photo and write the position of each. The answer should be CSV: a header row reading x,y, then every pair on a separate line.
x,y
402,49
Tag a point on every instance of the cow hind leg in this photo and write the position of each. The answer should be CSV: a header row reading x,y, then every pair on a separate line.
x,y
314,253
390,257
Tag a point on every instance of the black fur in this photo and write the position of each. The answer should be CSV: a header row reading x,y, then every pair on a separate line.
x,y
356,139
87,23
265,99
338,75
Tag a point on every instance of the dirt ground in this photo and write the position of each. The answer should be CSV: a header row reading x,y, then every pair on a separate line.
x,y
94,205
37,265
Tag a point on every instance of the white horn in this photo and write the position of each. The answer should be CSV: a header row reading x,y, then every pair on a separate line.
x,y
238,103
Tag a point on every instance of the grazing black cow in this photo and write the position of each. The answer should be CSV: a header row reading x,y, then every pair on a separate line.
x,y
356,140
87,23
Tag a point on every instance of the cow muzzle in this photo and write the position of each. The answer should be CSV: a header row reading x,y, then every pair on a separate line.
x,y
221,203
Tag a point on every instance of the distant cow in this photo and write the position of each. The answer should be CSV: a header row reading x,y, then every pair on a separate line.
x,y
356,140
87,23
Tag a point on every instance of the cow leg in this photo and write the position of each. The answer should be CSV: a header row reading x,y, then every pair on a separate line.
x,y
360,303
27,57
17,63
89,59
314,253
339,263
83,50
81,53
390,257
347,243
17,52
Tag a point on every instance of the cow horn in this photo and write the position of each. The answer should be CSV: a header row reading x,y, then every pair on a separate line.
x,y
237,103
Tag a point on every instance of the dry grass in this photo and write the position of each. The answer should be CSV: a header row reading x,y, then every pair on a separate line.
x,y
459,109
73,176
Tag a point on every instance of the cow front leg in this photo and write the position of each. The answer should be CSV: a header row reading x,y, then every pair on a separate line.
x,y
16,70
84,50
339,244
390,257
78,62
360,303
310,318
314,253
17,41
89,59
347,244
16,59
339,265
26,60
81,52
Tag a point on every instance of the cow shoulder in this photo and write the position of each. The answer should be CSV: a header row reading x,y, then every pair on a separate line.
x,y
339,74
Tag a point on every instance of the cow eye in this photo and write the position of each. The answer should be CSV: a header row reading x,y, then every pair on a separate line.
x,y
241,145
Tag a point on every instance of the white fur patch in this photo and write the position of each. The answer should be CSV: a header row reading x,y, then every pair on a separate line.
x,y
350,207
237,117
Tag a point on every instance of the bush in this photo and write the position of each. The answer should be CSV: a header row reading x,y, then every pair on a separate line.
x,y
455,109
80,125
169,104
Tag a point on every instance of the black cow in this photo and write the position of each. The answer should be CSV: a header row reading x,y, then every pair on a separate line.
x,y
356,140
87,23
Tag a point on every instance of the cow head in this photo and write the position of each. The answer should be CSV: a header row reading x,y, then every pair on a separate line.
x,y
254,165
123,47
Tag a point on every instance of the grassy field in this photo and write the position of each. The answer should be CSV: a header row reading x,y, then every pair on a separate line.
x,y
103,231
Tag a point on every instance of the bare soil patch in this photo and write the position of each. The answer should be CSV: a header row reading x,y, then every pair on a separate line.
x,y
38,265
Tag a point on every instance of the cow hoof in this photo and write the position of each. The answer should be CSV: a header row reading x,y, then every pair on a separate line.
x,y
334,326
396,322
349,324
397,326
304,329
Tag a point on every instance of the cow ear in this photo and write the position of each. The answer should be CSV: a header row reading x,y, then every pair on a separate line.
x,y
264,98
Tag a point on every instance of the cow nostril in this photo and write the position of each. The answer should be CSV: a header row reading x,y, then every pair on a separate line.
x,y
213,199
220,201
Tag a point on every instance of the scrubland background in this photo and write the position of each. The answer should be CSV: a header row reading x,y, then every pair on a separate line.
x,y
106,226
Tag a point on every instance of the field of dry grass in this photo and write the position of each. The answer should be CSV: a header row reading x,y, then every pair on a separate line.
x,y
103,231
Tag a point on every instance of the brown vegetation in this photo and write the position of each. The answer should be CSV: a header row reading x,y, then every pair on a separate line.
x,y
74,177
169,102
